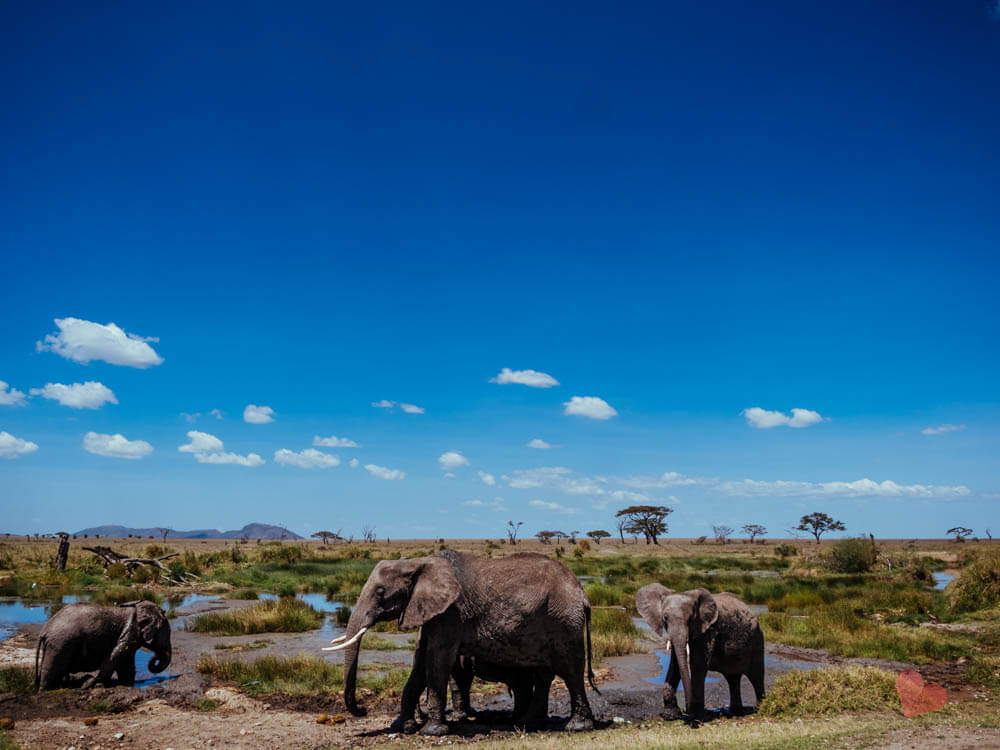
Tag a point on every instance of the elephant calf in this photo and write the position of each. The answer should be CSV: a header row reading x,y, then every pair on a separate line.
x,y
85,637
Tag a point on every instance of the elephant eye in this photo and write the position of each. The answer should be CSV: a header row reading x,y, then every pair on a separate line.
x,y
379,591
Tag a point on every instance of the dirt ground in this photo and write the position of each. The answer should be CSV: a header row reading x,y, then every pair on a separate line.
x,y
166,715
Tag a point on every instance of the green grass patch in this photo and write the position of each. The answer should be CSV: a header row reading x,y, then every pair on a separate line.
x,y
261,643
121,594
206,704
612,633
288,615
99,707
977,585
372,642
298,675
820,692
17,680
7,741
243,593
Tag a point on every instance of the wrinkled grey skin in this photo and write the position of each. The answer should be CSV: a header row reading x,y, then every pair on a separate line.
x,y
84,637
525,611
723,634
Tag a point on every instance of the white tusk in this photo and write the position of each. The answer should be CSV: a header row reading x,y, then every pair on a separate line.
x,y
668,645
338,640
345,644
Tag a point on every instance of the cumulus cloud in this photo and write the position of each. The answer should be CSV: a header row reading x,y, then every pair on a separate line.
x,y
451,460
334,442
83,341
556,477
591,407
89,395
193,417
383,404
496,504
115,446
258,414
629,496
856,488
208,449
310,458
941,429
554,507
13,447
539,444
408,408
411,409
530,378
384,473
10,396
763,419
353,463
488,479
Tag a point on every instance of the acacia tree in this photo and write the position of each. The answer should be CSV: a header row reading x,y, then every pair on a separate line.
x,y
818,524
960,532
545,537
598,534
512,531
163,533
368,532
326,535
648,520
622,523
722,533
754,530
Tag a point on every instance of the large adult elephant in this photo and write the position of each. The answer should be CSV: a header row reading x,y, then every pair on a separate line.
x,y
84,637
525,611
719,631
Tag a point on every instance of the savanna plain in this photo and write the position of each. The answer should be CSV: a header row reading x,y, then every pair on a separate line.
x,y
841,620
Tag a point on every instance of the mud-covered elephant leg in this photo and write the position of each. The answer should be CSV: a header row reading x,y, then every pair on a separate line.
x,y
409,703
571,666
735,698
536,714
442,651
699,670
461,687
670,708
756,671
51,670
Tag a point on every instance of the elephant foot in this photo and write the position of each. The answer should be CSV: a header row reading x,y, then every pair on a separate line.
x,y
579,724
404,726
671,713
458,714
434,729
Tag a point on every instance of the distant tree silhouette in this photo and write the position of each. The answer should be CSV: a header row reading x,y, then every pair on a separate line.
x,y
648,520
754,530
818,524
960,532
598,534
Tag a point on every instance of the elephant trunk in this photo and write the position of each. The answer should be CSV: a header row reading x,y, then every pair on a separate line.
x,y
680,644
160,661
351,661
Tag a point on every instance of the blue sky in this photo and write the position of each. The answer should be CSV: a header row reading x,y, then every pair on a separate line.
x,y
688,211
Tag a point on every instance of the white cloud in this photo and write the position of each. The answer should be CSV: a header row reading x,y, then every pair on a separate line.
x,y
942,429
89,395
856,488
115,446
384,404
383,473
258,414
411,409
10,396
208,449
334,442
192,418
763,419
496,504
408,408
666,479
217,413
531,378
12,447
629,496
310,458
474,504
556,477
539,444
83,341
353,463
488,479
591,407
554,507
450,460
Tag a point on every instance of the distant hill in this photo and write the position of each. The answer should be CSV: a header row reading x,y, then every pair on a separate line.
x,y
250,531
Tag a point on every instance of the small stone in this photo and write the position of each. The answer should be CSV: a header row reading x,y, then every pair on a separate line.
x,y
90,721
618,720
337,719
323,719
119,735
243,731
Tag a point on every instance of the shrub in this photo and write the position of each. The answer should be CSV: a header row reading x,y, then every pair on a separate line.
x,y
146,574
283,616
786,550
156,550
857,555
816,692
584,545
17,680
122,594
116,571
977,585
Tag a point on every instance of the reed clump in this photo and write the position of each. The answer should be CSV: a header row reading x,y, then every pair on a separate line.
x,y
821,692
287,615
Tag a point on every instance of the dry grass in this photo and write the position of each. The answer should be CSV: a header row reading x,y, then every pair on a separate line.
x,y
818,692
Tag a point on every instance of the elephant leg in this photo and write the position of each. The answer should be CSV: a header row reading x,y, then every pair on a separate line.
x,y
572,671
699,668
735,699
442,651
51,671
410,700
461,686
125,667
670,708
538,709
756,674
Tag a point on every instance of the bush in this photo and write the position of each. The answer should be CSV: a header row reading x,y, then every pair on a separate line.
x,y
17,680
816,692
977,585
857,555
786,550
584,545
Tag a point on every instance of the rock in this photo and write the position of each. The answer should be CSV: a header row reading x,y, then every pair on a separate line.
x,y
90,721
323,719
119,735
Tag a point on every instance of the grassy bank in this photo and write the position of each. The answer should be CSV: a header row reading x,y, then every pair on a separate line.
x,y
288,615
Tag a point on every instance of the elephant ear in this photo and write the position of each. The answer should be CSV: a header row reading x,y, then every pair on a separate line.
x,y
435,588
706,612
649,601
149,618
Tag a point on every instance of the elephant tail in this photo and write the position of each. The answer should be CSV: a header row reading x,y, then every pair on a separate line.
x,y
590,666
39,649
